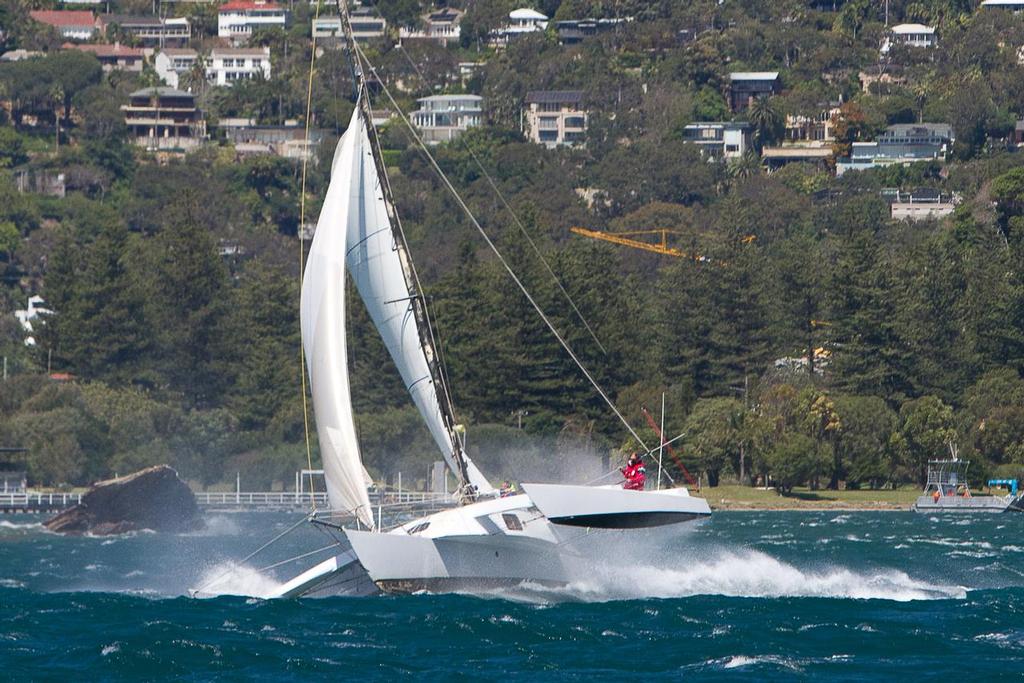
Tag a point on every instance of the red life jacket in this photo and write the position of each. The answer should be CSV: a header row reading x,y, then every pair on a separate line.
x,y
636,477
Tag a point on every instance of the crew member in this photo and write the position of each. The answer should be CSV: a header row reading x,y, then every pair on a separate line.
x,y
634,472
507,489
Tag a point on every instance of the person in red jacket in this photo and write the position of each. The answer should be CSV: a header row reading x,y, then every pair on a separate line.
x,y
634,472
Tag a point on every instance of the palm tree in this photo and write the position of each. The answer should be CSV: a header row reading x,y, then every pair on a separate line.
x,y
767,121
746,166
57,99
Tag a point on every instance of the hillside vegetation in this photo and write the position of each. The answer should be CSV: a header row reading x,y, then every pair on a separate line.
x,y
808,338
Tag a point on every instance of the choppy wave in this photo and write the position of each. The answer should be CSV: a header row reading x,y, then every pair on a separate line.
x,y
20,526
753,574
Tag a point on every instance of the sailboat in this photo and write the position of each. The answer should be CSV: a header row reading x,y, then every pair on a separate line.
x,y
545,535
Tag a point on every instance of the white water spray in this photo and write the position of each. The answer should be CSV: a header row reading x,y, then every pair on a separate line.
x,y
229,578
747,574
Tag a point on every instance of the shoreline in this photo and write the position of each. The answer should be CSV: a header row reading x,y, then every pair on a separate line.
x,y
798,506
735,497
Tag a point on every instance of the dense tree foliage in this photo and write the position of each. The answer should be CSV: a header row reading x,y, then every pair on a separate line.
x,y
804,337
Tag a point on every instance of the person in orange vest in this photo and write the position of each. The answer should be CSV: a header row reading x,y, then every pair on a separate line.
x,y
634,472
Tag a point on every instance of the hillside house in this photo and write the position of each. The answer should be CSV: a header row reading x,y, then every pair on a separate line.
x,y
719,139
555,117
72,24
366,25
1012,5
520,22
116,57
164,119
288,141
442,118
747,86
441,26
238,19
903,143
919,204
813,129
227,65
911,35
577,30
147,31
172,63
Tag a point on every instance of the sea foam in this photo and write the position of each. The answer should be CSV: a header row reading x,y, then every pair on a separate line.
x,y
752,574
229,578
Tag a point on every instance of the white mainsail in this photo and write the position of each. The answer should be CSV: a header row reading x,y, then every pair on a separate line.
x,y
375,262
322,314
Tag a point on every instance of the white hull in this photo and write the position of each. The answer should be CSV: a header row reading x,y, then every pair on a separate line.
x,y
547,536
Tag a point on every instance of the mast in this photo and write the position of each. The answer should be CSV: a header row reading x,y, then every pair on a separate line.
x,y
417,301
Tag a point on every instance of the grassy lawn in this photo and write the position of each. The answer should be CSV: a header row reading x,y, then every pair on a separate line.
x,y
746,497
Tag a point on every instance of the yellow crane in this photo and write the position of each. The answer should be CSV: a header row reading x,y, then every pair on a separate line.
x,y
627,238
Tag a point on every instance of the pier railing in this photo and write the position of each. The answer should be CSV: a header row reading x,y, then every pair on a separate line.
x,y
239,500
297,499
37,502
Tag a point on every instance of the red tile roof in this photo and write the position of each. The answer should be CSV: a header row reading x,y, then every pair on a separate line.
x,y
247,4
107,50
63,17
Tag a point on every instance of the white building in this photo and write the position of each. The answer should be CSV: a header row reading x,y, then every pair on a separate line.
x,y
239,18
520,22
172,63
365,26
914,35
441,26
229,64
555,117
72,24
36,310
719,139
920,204
1013,5
442,118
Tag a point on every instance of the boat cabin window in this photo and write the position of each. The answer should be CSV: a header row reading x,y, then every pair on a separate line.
x,y
418,528
512,522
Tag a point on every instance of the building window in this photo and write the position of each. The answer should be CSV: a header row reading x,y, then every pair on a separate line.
x,y
548,136
732,148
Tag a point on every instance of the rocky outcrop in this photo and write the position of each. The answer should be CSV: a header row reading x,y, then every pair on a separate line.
x,y
153,498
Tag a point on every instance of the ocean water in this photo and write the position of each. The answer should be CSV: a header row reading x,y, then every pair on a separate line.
x,y
756,596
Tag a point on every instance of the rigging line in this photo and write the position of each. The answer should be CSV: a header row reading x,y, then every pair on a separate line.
x,y
302,258
498,254
254,553
299,557
646,453
536,249
508,207
435,359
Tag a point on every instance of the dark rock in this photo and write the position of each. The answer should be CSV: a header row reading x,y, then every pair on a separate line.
x,y
153,498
